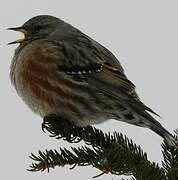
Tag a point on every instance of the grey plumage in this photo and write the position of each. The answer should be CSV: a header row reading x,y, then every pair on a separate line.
x,y
96,83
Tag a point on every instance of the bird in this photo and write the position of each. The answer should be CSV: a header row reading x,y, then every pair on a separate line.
x,y
58,69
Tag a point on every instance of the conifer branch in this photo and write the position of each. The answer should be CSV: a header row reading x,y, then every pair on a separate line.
x,y
170,162
114,154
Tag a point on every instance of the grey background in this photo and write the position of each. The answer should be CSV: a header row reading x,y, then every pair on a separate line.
x,y
142,34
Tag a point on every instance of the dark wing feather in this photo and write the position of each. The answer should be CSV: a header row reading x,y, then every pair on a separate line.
x,y
85,59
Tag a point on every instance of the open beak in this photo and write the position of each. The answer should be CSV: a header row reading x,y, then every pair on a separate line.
x,y
19,29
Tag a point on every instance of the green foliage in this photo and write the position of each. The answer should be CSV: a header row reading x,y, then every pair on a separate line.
x,y
110,153
170,162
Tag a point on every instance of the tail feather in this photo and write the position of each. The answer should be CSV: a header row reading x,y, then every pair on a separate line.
x,y
154,125
168,137
138,117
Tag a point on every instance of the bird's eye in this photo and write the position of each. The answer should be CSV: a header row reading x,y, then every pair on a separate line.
x,y
38,27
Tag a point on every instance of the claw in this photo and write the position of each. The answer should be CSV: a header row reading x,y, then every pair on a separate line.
x,y
43,125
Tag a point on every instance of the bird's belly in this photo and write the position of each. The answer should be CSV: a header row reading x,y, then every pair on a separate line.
x,y
75,102
30,94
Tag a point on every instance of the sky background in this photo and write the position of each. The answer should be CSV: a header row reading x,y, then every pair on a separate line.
x,y
142,34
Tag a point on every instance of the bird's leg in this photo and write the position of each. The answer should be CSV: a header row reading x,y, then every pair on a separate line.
x,y
60,127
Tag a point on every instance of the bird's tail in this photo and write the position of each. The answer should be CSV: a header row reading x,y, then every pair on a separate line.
x,y
154,125
168,137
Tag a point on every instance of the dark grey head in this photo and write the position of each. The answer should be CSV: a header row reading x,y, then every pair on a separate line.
x,y
39,27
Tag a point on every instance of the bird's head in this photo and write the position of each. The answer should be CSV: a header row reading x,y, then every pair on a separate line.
x,y
38,27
